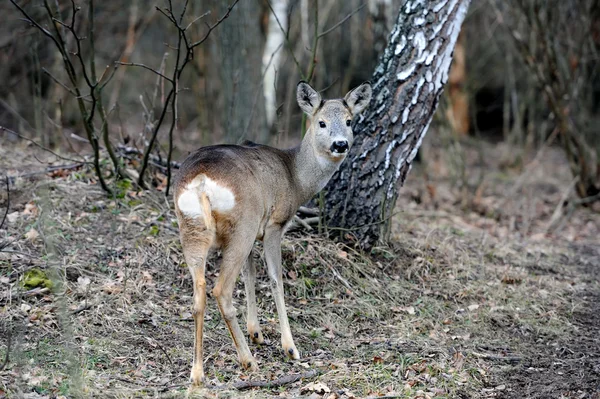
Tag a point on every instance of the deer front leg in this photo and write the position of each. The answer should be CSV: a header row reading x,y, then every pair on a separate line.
x,y
252,317
234,256
272,244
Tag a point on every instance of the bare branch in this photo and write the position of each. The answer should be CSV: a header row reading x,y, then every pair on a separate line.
x,y
196,19
145,67
347,17
212,27
2,128
58,82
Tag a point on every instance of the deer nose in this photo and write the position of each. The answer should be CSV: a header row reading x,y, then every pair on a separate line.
x,y
340,146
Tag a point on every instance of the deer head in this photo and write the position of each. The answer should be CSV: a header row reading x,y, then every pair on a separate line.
x,y
330,121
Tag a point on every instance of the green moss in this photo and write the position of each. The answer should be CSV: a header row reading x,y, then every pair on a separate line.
x,y
154,230
134,203
36,278
122,187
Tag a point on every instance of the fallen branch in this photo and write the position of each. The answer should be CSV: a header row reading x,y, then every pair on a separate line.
x,y
309,211
285,380
244,385
82,308
157,161
7,202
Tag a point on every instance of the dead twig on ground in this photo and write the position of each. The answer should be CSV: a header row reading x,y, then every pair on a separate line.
x,y
285,380
7,202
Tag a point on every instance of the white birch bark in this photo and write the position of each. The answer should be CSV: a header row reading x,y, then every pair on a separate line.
x,y
272,56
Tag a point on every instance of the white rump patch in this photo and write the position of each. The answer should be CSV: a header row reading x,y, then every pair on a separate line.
x,y
220,197
189,203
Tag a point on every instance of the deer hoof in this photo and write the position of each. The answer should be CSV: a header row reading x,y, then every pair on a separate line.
x,y
251,365
292,353
197,377
256,337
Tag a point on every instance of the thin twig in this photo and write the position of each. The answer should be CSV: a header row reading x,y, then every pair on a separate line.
x,y
212,27
135,64
347,17
285,380
38,145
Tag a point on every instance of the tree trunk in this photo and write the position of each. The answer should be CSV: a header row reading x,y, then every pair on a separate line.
x,y
240,48
277,27
407,84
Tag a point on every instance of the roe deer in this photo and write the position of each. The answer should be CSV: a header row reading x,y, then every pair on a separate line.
x,y
228,196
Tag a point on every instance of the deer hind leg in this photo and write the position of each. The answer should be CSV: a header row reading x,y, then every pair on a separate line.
x,y
272,244
195,249
235,253
252,318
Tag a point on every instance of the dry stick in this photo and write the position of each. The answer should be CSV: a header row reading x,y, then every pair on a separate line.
x,y
7,202
8,345
288,379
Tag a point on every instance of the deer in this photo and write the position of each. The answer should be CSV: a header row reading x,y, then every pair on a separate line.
x,y
229,196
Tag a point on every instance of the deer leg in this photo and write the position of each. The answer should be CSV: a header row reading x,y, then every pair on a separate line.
x,y
195,257
252,317
272,244
234,256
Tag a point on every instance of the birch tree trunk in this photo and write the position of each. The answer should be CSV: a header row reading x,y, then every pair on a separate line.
x,y
407,84
272,55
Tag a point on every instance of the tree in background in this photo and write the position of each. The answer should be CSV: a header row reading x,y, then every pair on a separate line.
x,y
240,45
407,83
558,43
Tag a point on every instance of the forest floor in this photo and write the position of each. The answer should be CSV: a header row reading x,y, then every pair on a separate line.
x,y
487,289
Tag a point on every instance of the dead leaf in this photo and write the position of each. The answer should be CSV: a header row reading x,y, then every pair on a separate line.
x,y
377,360
12,217
473,307
404,309
315,387
30,209
32,235
83,282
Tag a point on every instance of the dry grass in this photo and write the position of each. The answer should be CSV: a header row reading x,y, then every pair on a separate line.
x,y
454,307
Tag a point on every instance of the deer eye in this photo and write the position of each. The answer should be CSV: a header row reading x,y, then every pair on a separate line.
x,y
348,122
322,125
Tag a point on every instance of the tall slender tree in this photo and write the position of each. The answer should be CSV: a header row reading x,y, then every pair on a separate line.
x,y
407,85
240,43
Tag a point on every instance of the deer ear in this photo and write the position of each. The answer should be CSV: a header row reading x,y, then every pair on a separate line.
x,y
308,98
359,97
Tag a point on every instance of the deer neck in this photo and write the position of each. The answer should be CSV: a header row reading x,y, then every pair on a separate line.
x,y
312,170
